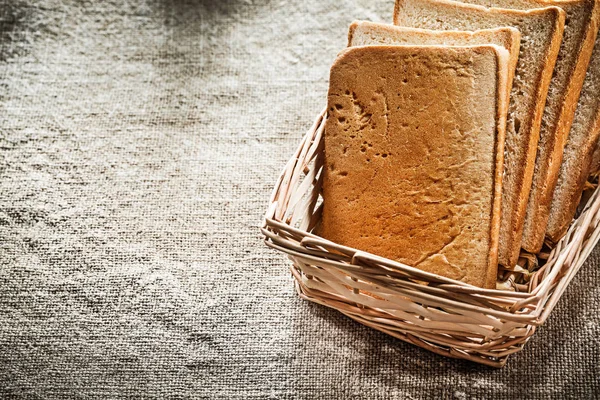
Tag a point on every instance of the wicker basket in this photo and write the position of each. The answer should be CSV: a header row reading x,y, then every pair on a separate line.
x,y
442,315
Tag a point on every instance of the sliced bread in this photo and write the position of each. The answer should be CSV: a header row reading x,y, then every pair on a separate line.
x,y
412,176
541,35
365,33
578,155
567,80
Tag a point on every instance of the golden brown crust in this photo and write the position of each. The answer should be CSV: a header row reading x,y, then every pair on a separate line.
x,y
569,198
411,176
527,103
362,33
579,40
583,14
515,242
578,161
559,112
506,71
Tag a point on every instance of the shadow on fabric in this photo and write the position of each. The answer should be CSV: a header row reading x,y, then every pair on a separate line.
x,y
16,28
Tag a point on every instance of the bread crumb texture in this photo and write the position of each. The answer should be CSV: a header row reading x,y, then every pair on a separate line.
x,y
409,166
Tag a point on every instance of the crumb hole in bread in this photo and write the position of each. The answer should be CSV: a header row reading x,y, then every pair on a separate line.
x,y
344,173
368,160
339,106
347,92
517,125
345,150
405,80
363,149
332,167
341,120
384,155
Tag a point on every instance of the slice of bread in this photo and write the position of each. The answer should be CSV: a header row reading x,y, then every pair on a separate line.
x,y
365,33
578,155
414,156
541,35
567,80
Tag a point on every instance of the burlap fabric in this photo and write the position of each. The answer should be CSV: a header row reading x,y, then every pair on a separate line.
x,y
139,143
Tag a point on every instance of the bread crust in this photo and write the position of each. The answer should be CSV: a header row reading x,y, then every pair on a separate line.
x,y
579,154
584,16
507,37
375,155
522,134
554,137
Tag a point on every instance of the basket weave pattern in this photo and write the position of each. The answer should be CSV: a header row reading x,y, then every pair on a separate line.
x,y
442,315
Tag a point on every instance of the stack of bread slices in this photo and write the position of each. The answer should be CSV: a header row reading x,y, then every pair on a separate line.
x,y
461,137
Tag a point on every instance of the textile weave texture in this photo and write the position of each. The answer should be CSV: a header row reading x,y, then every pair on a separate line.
x,y
139,142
